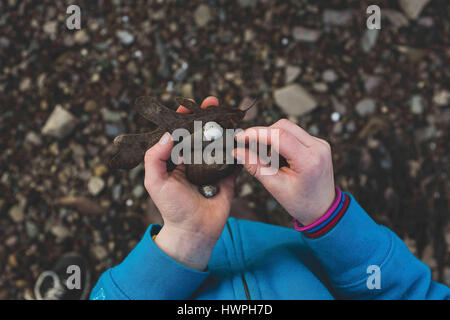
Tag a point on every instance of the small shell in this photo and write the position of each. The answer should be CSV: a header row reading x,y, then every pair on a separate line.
x,y
212,131
208,190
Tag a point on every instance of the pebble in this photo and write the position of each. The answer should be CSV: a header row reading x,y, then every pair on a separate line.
x,y
320,87
305,35
81,37
99,252
442,98
95,185
413,8
31,229
117,192
337,17
369,40
371,83
329,75
335,116
17,213
202,15
33,139
60,232
294,100
25,84
396,18
50,27
416,104
110,116
209,191
292,72
90,106
365,107
112,130
138,191
246,190
125,37
60,123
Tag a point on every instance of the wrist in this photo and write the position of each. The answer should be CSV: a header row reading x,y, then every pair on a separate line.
x,y
187,247
322,215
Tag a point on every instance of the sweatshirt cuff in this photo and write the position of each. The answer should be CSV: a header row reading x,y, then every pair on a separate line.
x,y
149,273
326,223
352,245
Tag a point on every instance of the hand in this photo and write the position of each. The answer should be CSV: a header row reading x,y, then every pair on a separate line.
x,y
305,188
192,223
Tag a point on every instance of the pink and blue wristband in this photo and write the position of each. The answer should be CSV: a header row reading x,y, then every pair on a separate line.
x,y
328,220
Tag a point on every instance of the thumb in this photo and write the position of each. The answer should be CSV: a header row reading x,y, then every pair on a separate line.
x,y
155,161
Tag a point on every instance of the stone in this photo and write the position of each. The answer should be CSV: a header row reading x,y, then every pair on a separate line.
x,y
416,104
60,232
90,106
187,90
125,37
33,139
329,75
413,8
99,252
100,170
60,123
138,191
202,15
294,100
320,87
17,213
365,107
305,35
81,37
371,83
25,84
442,98
50,27
396,18
246,190
369,40
110,116
31,229
292,72
337,17
95,185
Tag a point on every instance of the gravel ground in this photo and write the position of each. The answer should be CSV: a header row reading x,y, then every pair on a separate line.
x,y
380,97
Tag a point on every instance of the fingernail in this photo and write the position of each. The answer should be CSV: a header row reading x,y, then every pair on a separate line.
x,y
165,138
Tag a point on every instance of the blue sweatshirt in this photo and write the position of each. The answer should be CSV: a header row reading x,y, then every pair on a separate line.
x,y
356,259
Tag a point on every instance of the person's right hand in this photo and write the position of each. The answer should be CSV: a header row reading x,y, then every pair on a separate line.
x,y
192,223
305,188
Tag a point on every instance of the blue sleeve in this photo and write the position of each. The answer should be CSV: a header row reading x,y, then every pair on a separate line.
x,y
365,260
148,273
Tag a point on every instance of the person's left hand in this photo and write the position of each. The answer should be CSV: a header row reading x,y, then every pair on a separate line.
x,y
192,223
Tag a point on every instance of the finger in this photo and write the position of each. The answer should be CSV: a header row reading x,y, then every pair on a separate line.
x,y
256,167
182,109
280,140
209,101
303,136
155,161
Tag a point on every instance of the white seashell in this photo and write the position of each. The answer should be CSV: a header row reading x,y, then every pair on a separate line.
x,y
212,131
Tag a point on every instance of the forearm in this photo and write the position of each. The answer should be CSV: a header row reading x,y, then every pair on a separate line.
x,y
356,245
191,249
149,273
